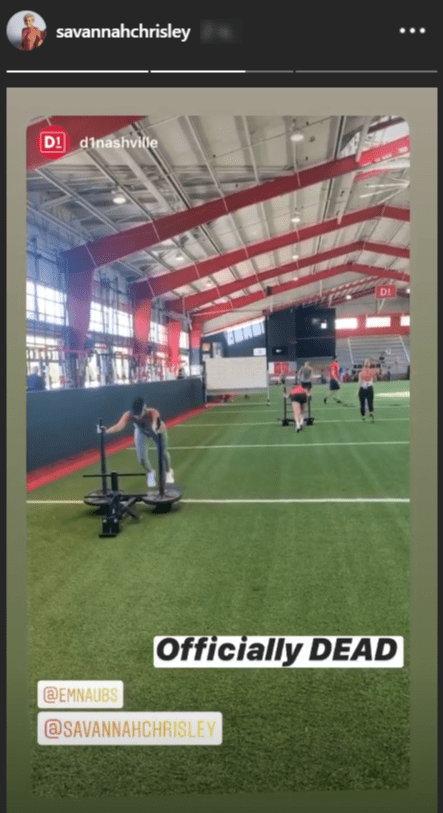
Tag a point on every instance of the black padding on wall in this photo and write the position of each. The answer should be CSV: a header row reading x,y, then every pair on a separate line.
x,y
281,339
62,423
301,333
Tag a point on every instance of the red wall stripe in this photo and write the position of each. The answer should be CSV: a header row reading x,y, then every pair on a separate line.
x,y
48,474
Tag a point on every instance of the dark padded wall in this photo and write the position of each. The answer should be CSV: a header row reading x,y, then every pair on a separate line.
x,y
315,348
313,340
61,423
296,333
280,336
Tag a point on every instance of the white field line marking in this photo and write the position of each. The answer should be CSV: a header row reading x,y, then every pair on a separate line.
x,y
355,404
222,502
55,502
272,423
402,394
293,445
273,407
313,500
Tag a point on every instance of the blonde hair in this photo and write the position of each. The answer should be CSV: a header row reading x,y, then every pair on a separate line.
x,y
367,363
28,17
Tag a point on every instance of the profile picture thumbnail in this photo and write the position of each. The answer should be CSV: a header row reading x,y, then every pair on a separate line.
x,y
26,30
221,32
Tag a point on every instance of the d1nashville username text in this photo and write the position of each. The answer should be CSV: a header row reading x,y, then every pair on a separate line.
x,y
122,143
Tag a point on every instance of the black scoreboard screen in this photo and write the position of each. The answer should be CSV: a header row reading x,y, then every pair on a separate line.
x,y
301,333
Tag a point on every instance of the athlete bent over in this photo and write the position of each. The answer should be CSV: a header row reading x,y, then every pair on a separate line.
x,y
147,425
299,398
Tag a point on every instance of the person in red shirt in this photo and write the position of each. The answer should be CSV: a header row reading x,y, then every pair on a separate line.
x,y
32,37
299,398
334,383
366,377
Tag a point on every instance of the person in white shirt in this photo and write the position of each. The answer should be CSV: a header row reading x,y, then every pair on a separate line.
x,y
366,378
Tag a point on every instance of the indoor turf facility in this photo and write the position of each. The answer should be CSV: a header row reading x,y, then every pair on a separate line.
x,y
274,532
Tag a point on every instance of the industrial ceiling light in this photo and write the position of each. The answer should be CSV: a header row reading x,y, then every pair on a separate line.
x,y
119,198
408,290
179,256
348,296
295,218
295,256
296,135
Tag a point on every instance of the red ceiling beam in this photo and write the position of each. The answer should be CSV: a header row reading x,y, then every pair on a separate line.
x,y
384,152
249,299
372,173
374,271
242,302
78,128
204,297
339,291
384,248
383,125
306,300
191,273
117,246
339,298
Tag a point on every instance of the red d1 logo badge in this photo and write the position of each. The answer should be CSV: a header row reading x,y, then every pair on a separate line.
x,y
53,142
385,291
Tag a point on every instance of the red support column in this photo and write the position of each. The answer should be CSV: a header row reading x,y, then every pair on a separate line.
x,y
142,304
78,302
194,340
396,327
174,330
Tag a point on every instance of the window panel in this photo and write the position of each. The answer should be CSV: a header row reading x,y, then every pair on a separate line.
x,y
378,321
50,304
350,323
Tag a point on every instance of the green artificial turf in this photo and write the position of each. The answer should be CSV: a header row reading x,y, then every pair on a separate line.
x,y
257,568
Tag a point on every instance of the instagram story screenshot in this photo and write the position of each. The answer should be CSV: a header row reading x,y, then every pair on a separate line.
x,y
221,400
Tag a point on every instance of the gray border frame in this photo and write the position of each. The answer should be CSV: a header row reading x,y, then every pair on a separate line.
x,y
419,107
